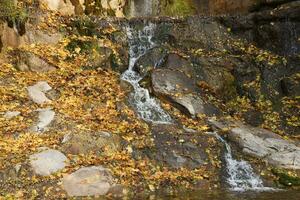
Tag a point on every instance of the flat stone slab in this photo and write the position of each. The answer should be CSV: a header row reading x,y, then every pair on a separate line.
x,y
88,181
48,162
37,92
11,114
46,116
263,144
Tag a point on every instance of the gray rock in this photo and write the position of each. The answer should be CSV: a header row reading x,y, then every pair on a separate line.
x,y
181,91
152,59
46,116
88,181
263,144
11,114
37,92
48,162
176,147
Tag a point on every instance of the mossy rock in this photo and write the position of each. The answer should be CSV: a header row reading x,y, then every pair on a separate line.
x,y
85,26
285,179
179,8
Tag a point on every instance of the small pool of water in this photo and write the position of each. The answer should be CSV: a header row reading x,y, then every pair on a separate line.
x,y
229,195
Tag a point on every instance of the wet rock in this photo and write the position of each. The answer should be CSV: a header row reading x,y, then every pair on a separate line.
x,y
37,92
291,85
152,59
117,191
275,28
47,162
45,118
253,117
101,143
178,89
88,181
178,148
263,144
11,114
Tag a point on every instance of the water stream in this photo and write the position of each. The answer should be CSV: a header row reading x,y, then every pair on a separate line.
x,y
140,8
147,107
240,174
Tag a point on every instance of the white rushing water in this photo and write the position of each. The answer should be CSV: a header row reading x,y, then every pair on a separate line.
x,y
141,8
147,107
240,174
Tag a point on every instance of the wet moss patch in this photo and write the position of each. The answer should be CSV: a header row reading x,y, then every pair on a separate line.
x,y
286,178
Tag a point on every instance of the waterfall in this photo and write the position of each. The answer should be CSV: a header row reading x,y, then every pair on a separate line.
x,y
240,174
141,8
147,107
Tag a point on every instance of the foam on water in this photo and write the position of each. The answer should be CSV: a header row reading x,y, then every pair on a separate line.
x,y
147,107
240,175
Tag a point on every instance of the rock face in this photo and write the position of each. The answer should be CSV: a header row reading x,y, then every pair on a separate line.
x,y
263,144
102,143
10,36
273,29
37,92
178,89
47,162
192,7
178,148
88,181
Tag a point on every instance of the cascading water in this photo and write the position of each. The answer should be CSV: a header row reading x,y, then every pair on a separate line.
x,y
148,108
241,176
141,8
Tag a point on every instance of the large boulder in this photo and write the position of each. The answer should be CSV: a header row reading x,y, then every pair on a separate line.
x,y
263,144
47,162
88,181
178,89
214,72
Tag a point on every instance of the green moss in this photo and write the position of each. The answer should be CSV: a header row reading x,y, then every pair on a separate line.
x,y
286,179
11,12
85,26
85,46
179,8
229,88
